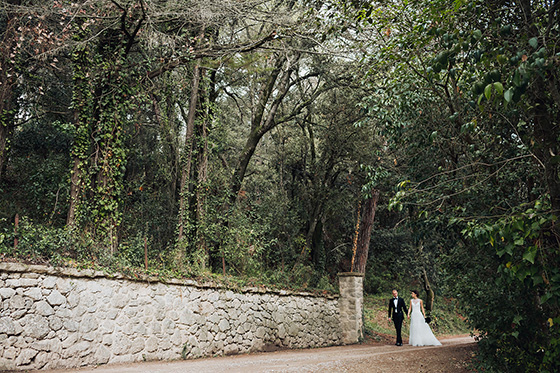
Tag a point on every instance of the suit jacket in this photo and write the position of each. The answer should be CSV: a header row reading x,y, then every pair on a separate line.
x,y
401,307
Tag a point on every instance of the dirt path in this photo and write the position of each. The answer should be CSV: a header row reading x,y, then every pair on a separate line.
x,y
452,356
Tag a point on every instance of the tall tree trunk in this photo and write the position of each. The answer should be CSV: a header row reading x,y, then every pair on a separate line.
x,y
314,221
7,81
166,121
201,188
80,87
188,150
429,303
545,97
318,253
547,132
75,181
5,130
364,235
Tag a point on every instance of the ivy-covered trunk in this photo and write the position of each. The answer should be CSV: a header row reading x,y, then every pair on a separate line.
x,y
103,103
191,231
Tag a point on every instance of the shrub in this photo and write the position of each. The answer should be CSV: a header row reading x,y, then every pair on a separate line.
x,y
36,242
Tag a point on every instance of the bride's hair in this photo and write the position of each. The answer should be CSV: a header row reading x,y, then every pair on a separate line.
x,y
416,292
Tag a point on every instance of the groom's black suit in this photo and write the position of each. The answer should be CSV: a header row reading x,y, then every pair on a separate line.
x,y
397,314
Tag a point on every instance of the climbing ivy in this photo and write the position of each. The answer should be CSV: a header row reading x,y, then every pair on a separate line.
x,y
103,100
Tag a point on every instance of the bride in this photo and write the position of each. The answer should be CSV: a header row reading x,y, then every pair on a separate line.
x,y
420,332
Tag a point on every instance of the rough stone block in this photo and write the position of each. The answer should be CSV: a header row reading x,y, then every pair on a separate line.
x,y
25,356
6,292
7,365
56,298
102,355
43,308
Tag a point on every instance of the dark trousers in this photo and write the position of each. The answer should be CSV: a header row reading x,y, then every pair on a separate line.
x,y
398,320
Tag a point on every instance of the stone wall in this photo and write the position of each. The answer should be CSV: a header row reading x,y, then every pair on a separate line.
x,y
62,318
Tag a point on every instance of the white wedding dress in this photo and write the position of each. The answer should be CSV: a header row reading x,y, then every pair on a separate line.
x,y
420,332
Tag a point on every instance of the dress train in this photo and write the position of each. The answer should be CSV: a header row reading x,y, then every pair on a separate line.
x,y
420,332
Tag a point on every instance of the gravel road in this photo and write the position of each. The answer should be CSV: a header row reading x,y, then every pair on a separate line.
x,y
452,356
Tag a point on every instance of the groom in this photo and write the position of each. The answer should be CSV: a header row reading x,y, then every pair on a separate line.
x,y
397,310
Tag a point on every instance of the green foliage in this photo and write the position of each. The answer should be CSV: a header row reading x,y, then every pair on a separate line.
x,y
36,184
324,283
522,242
35,242
528,261
551,358
470,106
391,262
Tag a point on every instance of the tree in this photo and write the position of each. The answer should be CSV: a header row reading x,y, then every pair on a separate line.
x,y
475,85
103,87
364,233
102,103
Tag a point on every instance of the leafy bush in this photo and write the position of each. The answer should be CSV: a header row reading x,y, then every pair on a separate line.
x,y
36,242
519,333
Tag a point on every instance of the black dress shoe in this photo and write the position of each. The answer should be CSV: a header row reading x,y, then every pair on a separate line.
x,y
399,344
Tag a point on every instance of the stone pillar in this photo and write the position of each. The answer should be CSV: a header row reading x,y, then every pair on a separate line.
x,y
350,306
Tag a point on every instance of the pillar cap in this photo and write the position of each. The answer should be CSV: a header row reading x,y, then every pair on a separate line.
x,y
350,274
